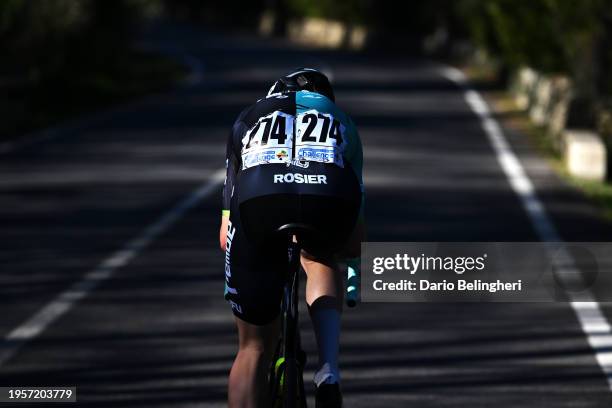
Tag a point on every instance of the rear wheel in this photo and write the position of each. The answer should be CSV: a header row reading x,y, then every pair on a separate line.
x,y
286,380
277,378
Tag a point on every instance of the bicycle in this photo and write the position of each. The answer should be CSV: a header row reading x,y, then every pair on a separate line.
x,y
286,372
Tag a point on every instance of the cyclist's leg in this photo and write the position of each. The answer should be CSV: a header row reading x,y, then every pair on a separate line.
x,y
254,286
323,278
247,381
324,296
334,219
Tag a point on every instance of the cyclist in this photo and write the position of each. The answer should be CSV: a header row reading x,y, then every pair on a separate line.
x,y
293,156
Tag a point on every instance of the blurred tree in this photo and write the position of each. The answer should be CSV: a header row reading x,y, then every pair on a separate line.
x,y
225,14
43,38
33,34
105,36
553,36
76,50
399,26
405,25
549,35
349,11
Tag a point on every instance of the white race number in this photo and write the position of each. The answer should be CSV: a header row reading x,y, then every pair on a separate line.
x,y
320,138
269,141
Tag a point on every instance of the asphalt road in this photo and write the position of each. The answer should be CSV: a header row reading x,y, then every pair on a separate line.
x,y
156,331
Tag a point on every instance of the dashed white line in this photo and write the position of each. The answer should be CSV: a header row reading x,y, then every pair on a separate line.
x,y
588,310
61,304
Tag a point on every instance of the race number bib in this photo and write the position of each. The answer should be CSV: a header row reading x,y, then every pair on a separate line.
x,y
319,137
269,141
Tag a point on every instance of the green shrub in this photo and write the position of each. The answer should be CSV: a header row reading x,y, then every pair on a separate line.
x,y
553,36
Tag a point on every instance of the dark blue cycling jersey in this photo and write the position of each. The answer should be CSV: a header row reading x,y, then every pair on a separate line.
x,y
303,132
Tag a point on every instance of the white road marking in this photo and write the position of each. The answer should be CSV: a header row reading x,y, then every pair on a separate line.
x,y
62,303
588,311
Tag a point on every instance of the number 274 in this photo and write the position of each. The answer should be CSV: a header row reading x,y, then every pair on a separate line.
x,y
312,120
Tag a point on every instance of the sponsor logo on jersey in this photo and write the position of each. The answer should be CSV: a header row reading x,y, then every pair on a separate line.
x,y
235,306
300,178
281,154
231,231
320,155
259,157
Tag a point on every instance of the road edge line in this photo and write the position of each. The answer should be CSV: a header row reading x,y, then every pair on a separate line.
x,y
62,303
588,311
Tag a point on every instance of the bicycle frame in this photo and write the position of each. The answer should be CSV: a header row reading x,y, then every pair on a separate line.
x,y
290,351
290,322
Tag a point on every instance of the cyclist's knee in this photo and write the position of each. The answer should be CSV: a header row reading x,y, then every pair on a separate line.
x,y
256,339
252,348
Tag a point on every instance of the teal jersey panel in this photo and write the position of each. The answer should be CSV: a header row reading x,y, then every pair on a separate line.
x,y
306,100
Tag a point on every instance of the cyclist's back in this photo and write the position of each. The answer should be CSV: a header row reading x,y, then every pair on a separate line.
x,y
298,162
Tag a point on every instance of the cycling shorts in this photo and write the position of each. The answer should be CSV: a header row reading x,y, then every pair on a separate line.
x,y
266,198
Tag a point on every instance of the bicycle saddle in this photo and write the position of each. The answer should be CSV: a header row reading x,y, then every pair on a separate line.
x,y
297,228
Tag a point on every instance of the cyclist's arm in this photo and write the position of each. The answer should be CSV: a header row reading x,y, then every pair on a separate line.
x,y
232,165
